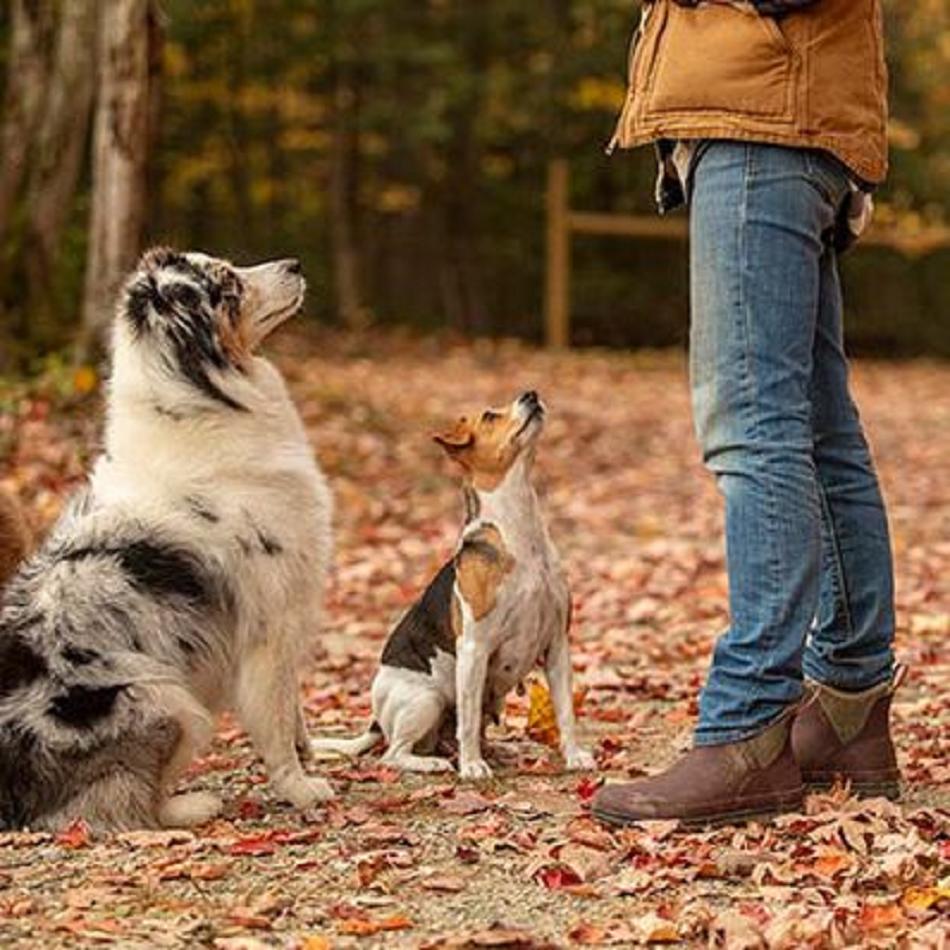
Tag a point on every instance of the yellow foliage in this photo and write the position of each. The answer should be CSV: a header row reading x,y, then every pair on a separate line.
x,y
542,722
397,199
498,166
85,380
595,93
902,135
923,898
304,140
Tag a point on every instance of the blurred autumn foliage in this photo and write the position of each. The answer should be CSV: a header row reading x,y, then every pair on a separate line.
x,y
400,150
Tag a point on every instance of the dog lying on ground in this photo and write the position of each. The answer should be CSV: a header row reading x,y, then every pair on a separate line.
x,y
495,609
184,579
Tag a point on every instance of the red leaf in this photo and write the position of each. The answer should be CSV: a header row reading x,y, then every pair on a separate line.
x,y
74,835
556,877
255,845
587,788
250,809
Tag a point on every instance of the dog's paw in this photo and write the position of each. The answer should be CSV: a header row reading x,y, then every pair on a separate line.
x,y
189,809
579,760
310,792
475,769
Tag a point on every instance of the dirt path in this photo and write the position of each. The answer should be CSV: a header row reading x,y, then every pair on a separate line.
x,y
425,862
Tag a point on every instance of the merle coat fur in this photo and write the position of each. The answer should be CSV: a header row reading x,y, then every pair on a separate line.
x,y
185,578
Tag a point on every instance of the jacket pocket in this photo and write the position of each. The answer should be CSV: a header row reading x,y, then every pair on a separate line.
x,y
721,58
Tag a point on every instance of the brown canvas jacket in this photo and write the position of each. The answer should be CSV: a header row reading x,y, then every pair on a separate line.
x,y
812,79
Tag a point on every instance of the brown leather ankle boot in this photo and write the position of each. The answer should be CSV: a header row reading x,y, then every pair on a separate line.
x,y
719,784
847,736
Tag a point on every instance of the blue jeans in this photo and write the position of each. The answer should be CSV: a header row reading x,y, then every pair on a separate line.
x,y
807,545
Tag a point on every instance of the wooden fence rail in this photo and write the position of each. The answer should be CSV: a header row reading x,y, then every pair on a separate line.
x,y
563,222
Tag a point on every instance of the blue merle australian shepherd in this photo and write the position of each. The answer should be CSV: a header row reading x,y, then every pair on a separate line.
x,y
184,579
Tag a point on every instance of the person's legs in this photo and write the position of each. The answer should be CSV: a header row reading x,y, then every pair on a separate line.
x,y
759,221
806,539
850,647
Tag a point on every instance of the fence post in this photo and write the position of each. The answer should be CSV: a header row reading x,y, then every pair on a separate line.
x,y
557,325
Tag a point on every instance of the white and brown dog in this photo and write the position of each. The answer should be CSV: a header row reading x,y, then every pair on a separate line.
x,y
492,612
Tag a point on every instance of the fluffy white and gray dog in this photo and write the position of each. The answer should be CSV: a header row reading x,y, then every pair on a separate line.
x,y
184,579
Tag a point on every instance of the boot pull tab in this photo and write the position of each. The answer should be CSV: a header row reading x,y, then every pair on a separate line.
x,y
900,674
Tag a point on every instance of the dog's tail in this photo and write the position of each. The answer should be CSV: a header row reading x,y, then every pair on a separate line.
x,y
355,746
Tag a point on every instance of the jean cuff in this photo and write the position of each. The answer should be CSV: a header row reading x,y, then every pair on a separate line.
x,y
847,680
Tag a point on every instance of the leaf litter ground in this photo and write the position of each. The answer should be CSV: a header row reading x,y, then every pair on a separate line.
x,y
424,862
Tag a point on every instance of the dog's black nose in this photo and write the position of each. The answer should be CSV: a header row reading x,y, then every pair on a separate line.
x,y
293,266
531,397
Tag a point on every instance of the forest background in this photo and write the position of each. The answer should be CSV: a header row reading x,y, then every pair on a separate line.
x,y
401,151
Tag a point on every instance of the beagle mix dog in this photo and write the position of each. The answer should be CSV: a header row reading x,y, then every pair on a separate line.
x,y
500,605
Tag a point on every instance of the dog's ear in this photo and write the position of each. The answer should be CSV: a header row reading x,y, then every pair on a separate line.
x,y
457,438
142,293
155,258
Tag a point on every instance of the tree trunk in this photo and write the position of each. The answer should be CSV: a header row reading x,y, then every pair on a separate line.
x,y
119,159
350,310
30,30
60,145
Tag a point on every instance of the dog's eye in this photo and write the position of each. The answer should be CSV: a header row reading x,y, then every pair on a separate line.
x,y
184,296
490,416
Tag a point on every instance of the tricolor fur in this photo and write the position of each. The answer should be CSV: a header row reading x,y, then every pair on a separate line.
x,y
492,612
185,578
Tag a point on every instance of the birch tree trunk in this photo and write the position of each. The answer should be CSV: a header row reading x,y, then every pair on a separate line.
x,y
119,159
30,29
60,142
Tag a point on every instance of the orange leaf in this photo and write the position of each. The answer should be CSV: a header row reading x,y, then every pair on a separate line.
x,y
85,380
879,916
74,835
209,872
366,928
588,934
249,921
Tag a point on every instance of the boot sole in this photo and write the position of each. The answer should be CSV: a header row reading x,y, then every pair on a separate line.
x,y
762,812
889,788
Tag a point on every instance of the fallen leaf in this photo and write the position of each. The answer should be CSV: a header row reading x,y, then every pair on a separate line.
x,y
74,836
366,928
923,898
880,916
556,877
254,845
542,721
467,803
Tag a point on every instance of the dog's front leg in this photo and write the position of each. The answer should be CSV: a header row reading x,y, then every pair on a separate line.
x,y
268,705
557,668
302,737
194,728
470,672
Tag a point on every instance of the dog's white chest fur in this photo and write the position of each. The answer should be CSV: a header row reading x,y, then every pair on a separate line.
x,y
532,607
